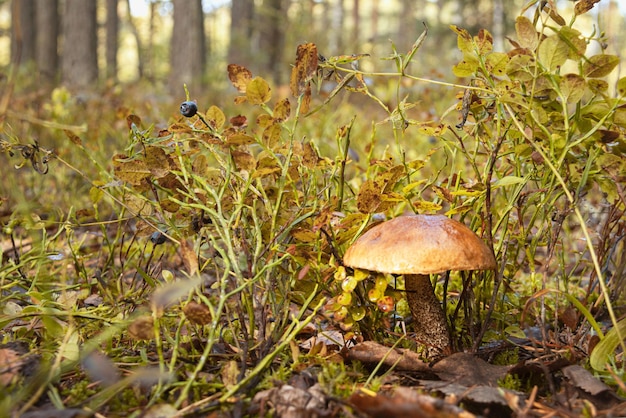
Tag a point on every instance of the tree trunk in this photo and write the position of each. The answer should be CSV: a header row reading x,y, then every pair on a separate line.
x,y
46,45
273,37
407,24
356,26
142,53
79,60
112,30
23,31
187,53
241,29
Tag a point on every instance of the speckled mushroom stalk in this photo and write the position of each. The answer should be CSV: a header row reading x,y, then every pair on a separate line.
x,y
429,320
416,246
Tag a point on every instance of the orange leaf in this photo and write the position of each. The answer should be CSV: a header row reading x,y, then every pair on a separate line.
x,y
305,68
239,76
282,110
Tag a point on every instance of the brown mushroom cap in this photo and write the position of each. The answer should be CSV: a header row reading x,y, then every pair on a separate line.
x,y
419,244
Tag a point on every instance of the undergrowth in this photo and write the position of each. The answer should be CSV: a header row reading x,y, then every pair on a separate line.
x,y
190,264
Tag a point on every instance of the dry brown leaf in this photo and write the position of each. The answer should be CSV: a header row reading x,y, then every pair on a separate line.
x,y
406,403
10,365
190,258
304,69
197,313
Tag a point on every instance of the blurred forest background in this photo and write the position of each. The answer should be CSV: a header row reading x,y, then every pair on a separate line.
x,y
167,43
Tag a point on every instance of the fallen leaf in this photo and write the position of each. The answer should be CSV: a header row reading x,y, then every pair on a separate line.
x,y
406,403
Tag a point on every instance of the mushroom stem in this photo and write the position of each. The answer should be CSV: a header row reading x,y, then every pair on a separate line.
x,y
428,316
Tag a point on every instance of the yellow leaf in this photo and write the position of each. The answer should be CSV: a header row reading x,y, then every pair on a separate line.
x,y
215,117
553,52
157,162
137,205
132,172
258,91
271,135
466,67
572,87
577,45
496,63
244,160
464,39
240,139
282,110
484,42
423,206
600,65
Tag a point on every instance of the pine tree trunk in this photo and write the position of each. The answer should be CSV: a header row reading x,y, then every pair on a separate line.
x,y
112,30
46,45
79,60
23,31
273,38
188,53
241,29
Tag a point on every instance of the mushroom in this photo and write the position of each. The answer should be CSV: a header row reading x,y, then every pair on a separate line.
x,y
416,246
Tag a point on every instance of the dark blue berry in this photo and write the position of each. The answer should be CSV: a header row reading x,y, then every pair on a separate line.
x,y
188,108
158,238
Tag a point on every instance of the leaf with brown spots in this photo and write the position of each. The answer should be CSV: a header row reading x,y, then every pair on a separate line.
x,y
304,69
239,76
583,6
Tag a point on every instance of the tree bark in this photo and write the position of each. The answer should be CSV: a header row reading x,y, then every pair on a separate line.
x,y
188,53
241,30
46,45
273,37
112,36
143,54
407,24
356,26
23,31
79,60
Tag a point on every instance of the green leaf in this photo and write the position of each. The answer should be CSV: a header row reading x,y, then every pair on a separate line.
x,y
577,45
606,347
508,180
600,65
515,331
552,52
